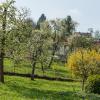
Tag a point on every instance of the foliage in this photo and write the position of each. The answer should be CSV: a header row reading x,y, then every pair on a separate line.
x,y
80,42
93,84
40,21
7,17
68,26
84,63
97,34
90,59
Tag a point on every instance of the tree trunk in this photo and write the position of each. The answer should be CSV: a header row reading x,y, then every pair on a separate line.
x,y
2,51
83,83
53,52
42,69
33,70
2,60
51,60
1,68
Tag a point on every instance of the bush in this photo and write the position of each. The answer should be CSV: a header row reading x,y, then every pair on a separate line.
x,y
84,60
83,63
93,84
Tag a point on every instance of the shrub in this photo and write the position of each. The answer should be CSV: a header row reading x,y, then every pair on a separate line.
x,y
93,84
84,60
83,63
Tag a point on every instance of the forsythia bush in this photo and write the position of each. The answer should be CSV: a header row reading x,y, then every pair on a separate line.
x,y
84,62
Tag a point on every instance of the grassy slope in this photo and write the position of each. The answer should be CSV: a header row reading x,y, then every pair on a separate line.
x,y
18,88
57,70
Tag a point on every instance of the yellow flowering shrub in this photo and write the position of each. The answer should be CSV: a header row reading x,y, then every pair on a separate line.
x,y
84,62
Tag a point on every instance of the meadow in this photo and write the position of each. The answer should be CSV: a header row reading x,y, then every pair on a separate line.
x,y
18,88
22,88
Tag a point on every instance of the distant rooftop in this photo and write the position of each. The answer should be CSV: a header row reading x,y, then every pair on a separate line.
x,y
87,34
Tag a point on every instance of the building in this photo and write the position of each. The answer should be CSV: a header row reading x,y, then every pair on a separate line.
x,y
97,42
86,34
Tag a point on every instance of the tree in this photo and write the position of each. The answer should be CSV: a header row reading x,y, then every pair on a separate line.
x,y
61,30
37,43
19,36
41,20
45,56
97,34
91,30
12,32
7,11
68,26
84,63
80,42
55,39
35,48
31,24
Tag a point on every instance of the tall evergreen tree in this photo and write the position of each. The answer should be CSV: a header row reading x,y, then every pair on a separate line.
x,y
68,26
41,20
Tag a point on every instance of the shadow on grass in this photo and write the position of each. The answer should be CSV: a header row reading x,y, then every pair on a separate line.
x,y
40,94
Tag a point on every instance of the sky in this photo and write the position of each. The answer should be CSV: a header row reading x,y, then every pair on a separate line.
x,y
85,12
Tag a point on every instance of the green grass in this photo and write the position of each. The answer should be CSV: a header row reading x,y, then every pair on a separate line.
x,y
18,88
57,70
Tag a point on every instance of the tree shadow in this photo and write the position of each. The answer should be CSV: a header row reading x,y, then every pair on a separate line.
x,y
40,94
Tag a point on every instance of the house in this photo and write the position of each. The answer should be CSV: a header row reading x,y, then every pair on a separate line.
x,y
85,34
63,47
97,42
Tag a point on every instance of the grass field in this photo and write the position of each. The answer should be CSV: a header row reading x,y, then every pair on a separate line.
x,y
18,88
57,70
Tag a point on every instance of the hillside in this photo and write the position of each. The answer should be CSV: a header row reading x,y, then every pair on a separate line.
x,y
18,88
